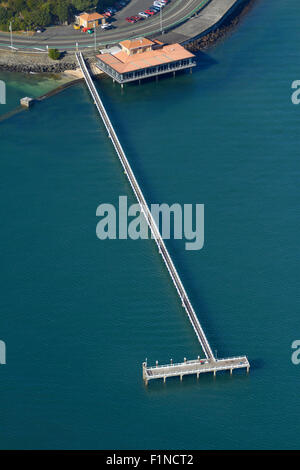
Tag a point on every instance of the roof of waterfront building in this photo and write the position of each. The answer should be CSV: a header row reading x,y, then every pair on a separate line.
x,y
91,16
122,62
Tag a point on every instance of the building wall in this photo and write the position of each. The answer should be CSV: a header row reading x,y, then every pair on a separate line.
x,y
90,24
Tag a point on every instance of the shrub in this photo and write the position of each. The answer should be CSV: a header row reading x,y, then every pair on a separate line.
x,y
54,54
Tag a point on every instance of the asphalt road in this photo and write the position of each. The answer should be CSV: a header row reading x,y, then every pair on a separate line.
x,y
65,37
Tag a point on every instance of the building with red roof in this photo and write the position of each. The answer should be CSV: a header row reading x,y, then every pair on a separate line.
x,y
141,58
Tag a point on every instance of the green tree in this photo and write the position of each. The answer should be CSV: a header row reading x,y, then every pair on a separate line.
x,y
54,54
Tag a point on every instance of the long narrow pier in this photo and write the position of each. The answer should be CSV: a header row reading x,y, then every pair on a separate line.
x,y
148,373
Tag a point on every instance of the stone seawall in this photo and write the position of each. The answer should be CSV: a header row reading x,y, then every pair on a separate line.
x,y
225,28
39,63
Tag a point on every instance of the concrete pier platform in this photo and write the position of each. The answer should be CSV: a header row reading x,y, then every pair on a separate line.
x,y
194,367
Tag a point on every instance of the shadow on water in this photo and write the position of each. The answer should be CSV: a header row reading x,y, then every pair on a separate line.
x,y
204,61
190,382
257,363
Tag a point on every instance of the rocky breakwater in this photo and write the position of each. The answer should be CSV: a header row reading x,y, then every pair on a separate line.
x,y
36,63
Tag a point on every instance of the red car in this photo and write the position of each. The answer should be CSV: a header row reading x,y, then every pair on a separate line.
x,y
107,14
131,19
137,18
149,12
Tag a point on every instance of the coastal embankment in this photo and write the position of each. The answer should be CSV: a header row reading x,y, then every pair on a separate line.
x,y
35,62
41,63
227,26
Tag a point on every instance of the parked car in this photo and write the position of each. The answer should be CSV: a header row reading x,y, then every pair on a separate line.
x,y
131,19
149,12
137,18
158,4
143,14
107,14
106,26
90,31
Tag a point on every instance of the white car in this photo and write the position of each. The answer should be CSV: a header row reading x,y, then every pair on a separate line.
x,y
143,14
158,4
106,26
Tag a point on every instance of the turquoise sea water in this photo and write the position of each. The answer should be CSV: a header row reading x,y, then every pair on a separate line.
x,y
79,315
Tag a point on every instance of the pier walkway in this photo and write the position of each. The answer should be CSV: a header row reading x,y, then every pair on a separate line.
x,y
151,373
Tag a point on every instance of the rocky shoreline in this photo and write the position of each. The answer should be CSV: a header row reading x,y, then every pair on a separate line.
x,y
209,40
38,63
